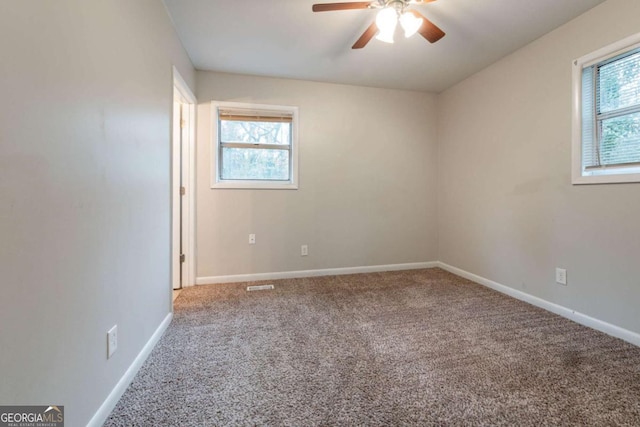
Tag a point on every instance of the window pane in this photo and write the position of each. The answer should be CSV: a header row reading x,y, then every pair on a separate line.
x,y
620,141
255,163
619,84
255,132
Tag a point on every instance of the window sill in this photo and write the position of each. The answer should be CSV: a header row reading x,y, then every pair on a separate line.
x,y
255,185
606,177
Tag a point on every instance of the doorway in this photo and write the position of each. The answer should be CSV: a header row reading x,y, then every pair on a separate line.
x,y
182,186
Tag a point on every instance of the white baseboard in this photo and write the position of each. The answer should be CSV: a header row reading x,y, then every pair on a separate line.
x,y
583,319
107,406
312,273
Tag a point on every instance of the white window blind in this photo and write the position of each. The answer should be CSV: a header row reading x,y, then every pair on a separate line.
x,y
242,115
611,112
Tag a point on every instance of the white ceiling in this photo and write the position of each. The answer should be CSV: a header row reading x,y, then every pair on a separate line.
x,y
284,38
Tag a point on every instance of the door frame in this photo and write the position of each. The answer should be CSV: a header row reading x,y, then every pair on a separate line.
x,y
183,173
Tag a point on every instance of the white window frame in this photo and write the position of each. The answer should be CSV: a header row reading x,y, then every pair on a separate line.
x,y
217,182
612,174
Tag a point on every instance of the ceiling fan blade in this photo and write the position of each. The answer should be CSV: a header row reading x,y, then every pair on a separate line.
x,y
327,7
428,29
366,36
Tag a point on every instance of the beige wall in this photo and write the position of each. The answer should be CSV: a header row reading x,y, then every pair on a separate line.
x,y
84,186
84,193
507,209
367,192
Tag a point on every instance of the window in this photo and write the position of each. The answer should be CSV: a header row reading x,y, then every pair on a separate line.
x,y
255,146
606,116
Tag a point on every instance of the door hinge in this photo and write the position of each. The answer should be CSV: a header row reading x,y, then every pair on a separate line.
x,y
183,191
183,123
181,257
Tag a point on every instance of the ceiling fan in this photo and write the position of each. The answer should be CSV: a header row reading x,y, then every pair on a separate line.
x,y
391,12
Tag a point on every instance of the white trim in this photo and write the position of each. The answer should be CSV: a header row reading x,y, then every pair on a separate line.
x,y
190,203
110,402
254,185
188,178
313,273
182,85
578,175
216,183
583,319
175,193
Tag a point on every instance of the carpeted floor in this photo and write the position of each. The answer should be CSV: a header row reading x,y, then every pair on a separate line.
x,y
421,347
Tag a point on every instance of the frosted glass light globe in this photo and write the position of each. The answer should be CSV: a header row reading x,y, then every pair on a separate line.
x,y
410,23
386,21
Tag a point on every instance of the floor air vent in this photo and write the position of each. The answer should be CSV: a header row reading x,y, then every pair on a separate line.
x,y
260,288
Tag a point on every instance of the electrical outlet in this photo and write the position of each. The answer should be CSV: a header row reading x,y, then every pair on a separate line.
x,y
561,276
304,250
112,341
252,239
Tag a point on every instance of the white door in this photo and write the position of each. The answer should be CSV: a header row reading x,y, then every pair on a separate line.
x,y
182,185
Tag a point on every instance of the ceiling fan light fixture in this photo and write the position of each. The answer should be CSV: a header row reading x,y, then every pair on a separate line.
x,y
385,36
386,21
410,23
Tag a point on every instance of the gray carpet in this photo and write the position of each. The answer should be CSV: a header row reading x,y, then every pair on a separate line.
x,y
421,347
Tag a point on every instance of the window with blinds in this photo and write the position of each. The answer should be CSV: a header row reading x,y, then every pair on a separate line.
x,y
255,147
609,116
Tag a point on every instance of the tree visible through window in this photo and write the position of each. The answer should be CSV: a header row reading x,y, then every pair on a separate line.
x,y
252,162
607,124
255,145
618,105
